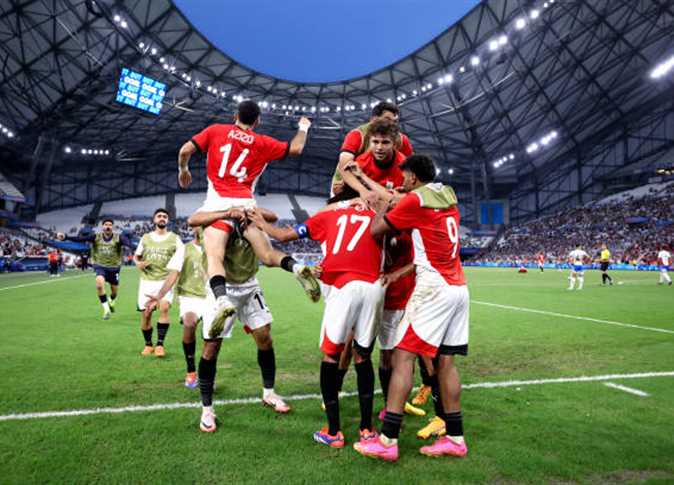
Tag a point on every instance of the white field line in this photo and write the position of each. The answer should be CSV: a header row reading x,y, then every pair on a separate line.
x,y
573,317
50,280
303,397
630,390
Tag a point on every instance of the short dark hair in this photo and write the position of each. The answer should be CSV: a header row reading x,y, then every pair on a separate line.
x,y
384,127
107,219
346,194
161,210
248,112
420,165
382,106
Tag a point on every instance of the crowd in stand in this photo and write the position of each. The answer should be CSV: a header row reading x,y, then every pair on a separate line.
x,y
634,229
15,246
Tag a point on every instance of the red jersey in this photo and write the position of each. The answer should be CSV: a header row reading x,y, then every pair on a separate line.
x,y
435,234
390,177
236,158
541,259
354,143
349,250
399,253
53,257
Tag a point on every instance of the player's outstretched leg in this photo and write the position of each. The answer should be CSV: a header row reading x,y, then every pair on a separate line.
x,y
266,359
215,241
102,297
277,259
113,297
452,444
190,321
207,369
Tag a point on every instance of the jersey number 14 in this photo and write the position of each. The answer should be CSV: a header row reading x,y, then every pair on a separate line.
x,y
236,170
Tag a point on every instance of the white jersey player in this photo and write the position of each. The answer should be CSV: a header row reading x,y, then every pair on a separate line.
x,y
664,260
577,258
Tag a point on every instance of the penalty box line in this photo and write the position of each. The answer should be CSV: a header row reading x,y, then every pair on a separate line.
x,y
573,317
304,397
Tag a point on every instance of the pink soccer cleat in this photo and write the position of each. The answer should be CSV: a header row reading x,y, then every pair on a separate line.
x,y
445,446
382,413
275,402
376,449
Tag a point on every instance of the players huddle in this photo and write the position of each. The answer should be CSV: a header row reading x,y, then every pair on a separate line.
x,y
390,272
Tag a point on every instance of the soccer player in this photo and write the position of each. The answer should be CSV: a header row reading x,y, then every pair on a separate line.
x,y
350,273
604,262
577,258
53,259
236,157
541,262
107,251
159,257
436,316
357,142
664,260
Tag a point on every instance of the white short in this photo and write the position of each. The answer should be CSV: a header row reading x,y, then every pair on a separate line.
x,y
436,317
251,309
389,326
147,287
357,305
192,304
215,202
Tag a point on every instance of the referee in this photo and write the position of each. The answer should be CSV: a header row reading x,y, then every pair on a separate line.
x,y
604,260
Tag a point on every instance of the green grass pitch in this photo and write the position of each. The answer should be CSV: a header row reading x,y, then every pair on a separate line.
x,y
57,354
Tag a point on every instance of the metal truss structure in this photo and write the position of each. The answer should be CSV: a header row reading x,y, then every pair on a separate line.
x,y
489,89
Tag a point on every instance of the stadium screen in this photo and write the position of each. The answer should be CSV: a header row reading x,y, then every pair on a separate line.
x,y
140,91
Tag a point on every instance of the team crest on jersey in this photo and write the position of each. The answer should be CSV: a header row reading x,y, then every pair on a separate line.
x,y
389,184
241,136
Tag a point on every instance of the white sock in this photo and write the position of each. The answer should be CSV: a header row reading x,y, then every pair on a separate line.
x,y
667,278
297,267
207,409
581,280
572,282
267,392
106,307
457,439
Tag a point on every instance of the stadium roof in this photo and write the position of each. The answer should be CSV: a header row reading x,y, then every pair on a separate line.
x,y
504,77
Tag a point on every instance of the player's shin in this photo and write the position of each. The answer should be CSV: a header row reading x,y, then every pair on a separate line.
x,y
267,362
330,395
207,369
365,375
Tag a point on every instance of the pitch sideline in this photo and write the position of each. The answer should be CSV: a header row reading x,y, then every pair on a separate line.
x,y
304,397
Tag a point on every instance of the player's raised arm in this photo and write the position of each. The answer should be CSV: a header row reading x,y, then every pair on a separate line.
x,y
184,176
300,139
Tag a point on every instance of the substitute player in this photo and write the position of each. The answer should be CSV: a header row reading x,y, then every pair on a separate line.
x,y
604,263
353,294
577,258
236,157
357,142
159,257
436,317
541,262
664,261
107,252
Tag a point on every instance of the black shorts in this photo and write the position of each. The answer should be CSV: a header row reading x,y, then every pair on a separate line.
x,y
603,265
111,275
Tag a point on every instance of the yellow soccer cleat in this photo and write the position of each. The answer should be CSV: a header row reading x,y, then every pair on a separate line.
x,y
422,396
147,350
159,351
435,428
414,411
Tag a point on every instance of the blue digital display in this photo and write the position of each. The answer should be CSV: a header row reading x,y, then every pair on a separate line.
x,y
140,91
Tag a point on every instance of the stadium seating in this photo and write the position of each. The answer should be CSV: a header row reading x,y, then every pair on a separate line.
x,y
64,220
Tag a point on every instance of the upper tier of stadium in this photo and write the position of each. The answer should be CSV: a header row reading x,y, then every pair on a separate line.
x,y
546,104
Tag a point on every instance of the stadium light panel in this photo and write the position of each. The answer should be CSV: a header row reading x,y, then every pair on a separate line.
x,y
511,156
154,51
338,109
414,93
493,45
389,100
10,135
474,61
117,18
462,69
83,151
534,14
429,86
503,40
161,59
124,24
449,78
663,68
520,23
107,152
166,66
67,150
141,45
273,106
451,171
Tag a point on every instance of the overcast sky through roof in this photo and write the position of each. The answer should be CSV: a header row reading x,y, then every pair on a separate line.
x,y
321,40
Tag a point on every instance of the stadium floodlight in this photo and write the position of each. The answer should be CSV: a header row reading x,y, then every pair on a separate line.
x,y
95,152
449,78
161,59
532,148
503,40
338,109
4,130
141,45
462,69
493,45
441,81
511,156
273,106
154,51
10,135
124,24
117,18
389,100
83,151
534,14
313,109
423,89
474,61
545,5
520,23
363,106
415,92
451,171
284,107
663,68
222,94
67,150
198,83
188,78
107,152
429,86
90,151
165,66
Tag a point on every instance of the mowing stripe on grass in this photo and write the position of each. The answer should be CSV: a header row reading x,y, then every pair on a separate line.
x,y
631,390
573,317
304,397
56,280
